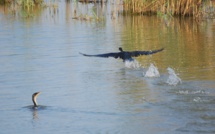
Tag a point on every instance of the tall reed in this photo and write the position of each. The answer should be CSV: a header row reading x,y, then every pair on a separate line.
x,y
2,2
174,7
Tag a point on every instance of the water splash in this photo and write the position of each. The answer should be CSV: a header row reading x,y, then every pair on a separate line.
x,y
186,92
132,64
173,79
198,99
152,71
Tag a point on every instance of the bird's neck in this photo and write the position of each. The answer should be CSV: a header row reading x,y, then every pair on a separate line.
x,y
34,101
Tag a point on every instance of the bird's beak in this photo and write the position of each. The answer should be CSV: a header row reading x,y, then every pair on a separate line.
x,y
39,93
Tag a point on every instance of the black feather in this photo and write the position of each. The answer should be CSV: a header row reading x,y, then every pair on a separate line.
x,y
125,55
138,53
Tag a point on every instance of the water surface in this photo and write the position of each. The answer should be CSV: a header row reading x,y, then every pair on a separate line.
x,y
95,95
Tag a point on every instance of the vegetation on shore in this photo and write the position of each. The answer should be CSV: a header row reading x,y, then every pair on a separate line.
x,y
22,2
164,8
26,8
172,7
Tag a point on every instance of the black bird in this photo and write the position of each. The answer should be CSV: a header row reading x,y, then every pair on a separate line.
x,y
124,55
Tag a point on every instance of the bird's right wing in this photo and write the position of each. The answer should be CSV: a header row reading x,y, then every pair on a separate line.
x,y
138,53
106,55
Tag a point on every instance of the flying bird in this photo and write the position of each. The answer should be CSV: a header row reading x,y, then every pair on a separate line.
x,y
124,55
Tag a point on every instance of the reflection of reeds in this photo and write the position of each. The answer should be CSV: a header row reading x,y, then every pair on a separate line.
x,y
186,42
83,13
88,18
174,7
28,8
93,1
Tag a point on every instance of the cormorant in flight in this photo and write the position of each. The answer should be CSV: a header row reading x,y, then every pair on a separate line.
x,y
124,55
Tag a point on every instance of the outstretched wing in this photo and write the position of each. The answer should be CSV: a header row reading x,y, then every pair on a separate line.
x,y
106,55
138,53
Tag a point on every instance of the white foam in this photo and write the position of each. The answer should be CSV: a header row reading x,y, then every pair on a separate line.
x,y
152,72
173,79
183,92
132,64
186,92
197,99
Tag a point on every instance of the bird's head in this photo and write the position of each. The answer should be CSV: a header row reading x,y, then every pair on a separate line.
x,y
120,49
35,94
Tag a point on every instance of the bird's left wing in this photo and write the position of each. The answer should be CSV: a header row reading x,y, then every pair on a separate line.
x,y
106,55
138,53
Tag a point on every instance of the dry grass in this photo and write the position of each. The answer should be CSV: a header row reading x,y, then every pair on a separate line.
x,y
173,7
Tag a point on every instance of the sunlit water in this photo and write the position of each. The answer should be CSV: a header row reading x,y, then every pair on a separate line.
x,y
104,95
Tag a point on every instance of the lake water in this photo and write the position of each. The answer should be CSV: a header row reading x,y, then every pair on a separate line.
x,y
103,95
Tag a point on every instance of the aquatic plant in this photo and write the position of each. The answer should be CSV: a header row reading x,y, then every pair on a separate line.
x,y
27,4
24,3
82,17
93,1
96,17
27,8
86,17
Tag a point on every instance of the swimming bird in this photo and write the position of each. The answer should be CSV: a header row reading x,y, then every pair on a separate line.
x,y
34,99
125,55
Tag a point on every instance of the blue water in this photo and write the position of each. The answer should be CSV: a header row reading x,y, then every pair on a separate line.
x,y
95,95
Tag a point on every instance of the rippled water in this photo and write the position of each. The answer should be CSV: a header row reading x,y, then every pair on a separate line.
x,y
95,95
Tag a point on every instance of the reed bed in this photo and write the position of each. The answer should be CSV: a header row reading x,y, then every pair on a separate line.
x,y
27,8
173,7
23,3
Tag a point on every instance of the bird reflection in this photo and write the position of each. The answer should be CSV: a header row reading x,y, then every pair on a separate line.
x,y
35,115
